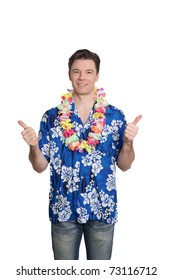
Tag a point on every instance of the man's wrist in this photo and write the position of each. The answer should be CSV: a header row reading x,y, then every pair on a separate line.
x,y
33,147
128,143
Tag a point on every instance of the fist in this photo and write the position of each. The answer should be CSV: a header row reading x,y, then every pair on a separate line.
x,y
29,134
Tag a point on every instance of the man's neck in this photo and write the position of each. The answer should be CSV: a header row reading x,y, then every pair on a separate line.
x,y
84,100
84,104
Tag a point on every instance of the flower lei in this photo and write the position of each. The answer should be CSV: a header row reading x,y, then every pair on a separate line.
x,y
98,122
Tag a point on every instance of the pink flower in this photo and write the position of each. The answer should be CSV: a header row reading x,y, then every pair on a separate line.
x,y
68,133
92,141
100,110
70,100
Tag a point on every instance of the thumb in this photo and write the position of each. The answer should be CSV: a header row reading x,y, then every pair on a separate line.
x,y
137,119
22,124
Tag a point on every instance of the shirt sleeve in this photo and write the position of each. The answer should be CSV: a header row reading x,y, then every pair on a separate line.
x,y
122,125
44,137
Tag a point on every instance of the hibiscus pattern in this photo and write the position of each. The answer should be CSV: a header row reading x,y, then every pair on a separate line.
x,y
82,185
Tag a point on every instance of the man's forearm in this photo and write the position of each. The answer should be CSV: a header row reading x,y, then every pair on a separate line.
x,y
37,159
126,156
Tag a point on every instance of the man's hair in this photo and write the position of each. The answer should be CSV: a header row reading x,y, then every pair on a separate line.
x,y
84,54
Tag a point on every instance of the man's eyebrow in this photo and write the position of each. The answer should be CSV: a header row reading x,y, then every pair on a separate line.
x,y
85,70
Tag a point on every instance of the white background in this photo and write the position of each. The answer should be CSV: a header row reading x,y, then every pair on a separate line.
x,y
134,40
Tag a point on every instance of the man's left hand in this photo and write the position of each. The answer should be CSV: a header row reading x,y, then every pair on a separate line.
x,y
131,130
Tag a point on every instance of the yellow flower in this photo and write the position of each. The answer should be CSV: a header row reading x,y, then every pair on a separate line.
x,y
95,90
98,115
67,95
85,146
66,124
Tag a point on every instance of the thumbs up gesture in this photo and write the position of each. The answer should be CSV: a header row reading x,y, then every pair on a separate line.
x,y
131,130
29,134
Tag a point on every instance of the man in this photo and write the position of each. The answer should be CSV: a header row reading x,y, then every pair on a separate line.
x,y
83,139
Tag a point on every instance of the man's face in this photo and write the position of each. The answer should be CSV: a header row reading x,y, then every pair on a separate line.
x,y
83,76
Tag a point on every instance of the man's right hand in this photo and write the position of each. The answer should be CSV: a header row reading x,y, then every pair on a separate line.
x,y
29,134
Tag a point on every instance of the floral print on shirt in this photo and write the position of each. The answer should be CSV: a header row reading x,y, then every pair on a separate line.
x,y
82,185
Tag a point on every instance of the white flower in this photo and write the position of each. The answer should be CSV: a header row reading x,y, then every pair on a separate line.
x,y
62,208
78,127
90,197
66,173
95,155
87,160
88,188
111,182
57,164
64,215
55,208
86,199
97,209
115,137
45,149
96,168
113,168
93,196
53,149
57,132
105,200
76,171
83,215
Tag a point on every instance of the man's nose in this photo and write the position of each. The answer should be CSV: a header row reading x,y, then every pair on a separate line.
x,y
81,75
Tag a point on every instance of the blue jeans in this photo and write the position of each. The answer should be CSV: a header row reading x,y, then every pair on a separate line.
x,y
66,239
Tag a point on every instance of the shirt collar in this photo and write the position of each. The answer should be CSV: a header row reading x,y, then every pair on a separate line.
x,y
109,110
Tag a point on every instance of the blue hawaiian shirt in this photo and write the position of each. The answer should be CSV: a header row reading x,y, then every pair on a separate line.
x,y
82,185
